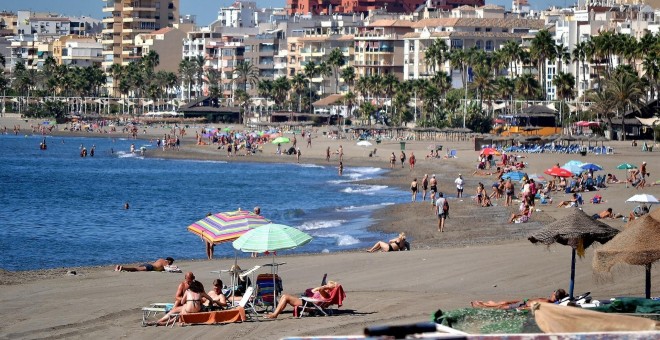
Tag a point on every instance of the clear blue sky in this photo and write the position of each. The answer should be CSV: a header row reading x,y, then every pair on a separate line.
x,y
206,10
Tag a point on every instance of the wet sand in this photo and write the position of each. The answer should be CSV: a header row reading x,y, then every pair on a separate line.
x,y
479,256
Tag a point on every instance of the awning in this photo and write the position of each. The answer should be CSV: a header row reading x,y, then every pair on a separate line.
x,y
649,121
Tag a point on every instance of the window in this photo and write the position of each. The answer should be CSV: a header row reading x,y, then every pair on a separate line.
x,y
171,5
488,29
477,29
457,43
489,45
478,44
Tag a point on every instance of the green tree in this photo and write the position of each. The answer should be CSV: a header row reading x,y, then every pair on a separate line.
x,y
299,84
348,74
543,49
336,60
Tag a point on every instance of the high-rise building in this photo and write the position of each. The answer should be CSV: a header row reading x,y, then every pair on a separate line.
x,y
128,18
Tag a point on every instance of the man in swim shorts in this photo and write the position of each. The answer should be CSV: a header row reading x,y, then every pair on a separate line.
x,y
158,266
434,184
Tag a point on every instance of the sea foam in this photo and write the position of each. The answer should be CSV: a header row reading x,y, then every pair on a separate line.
x,y
314,225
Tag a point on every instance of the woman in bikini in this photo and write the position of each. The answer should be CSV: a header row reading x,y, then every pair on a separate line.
x,y
190,303
481,192
320,293
394,244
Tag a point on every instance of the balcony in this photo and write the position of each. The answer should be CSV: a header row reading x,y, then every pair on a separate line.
x,y
110,20
108,8
138,19
130,8
108,31
312,52
279,66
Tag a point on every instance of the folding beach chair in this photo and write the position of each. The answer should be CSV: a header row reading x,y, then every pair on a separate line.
x,y
265,297
310,304
154,309
247,303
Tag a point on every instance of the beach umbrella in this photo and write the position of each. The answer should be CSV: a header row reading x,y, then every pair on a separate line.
x,y
577,230
280,140
537,178
227,226
574,166
514,175
643,198
638,245
490,151
271,237
626,166
591,166
364,143
559,172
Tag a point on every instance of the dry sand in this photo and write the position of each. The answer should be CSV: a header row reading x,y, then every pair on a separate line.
x,y
480,256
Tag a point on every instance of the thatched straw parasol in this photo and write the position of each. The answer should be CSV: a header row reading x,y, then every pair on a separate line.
x,y
577,230
638,244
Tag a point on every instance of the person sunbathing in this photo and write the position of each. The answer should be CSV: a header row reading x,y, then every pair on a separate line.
x,y
394,244
523,216
605,214
570,203
190,303
555,297
319,293
158,266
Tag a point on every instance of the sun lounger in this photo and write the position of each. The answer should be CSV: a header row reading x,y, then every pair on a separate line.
x,y
154,309
337,297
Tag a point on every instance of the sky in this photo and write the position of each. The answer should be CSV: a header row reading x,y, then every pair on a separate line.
x,y
205,10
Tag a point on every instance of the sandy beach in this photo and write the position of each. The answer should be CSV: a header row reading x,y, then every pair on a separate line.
x,y
479,257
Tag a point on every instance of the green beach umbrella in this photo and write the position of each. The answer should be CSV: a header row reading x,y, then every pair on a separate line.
x,y
626,166
280,140
271,237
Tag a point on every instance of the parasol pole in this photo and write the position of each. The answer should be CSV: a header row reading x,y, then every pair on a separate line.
x,y
648,281
571,284
274,272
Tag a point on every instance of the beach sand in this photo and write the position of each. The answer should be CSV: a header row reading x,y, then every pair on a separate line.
x,y
478,257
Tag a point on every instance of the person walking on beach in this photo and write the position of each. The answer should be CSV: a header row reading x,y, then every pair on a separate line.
x,y
413,188
392,160
309,140
340,169
411,161
298,155
295,141
340,152
425,186
327,154
158,266
442,210
459,186
508,191
402,157
434,184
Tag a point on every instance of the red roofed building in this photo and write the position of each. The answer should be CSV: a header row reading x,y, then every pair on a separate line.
x,y
361,6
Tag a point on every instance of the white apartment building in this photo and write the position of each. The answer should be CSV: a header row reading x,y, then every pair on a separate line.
x,y
77,51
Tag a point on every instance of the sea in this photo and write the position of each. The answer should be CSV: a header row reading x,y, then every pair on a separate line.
x,y
58,209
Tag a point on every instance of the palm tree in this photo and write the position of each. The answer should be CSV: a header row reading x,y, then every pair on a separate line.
x,y
363,87
512,51
348,74
389,84
310,70
579,58
365,110
187,74
299,84
323,70
564,84
627,92
563,56
435,54
543,49
336,60
527,86
281,87
116,71
506,88
349,101
212,79
150,61
651,67
246,73
442,80
198,66
481,80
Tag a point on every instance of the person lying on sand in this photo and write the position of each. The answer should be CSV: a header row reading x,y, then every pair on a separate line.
x,y
606,214
322,292
158,266
190,303
555,297
394,244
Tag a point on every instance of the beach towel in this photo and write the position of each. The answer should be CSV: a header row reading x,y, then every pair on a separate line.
x,y
209,318
172,269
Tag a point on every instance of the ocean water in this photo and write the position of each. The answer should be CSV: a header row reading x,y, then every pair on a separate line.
x,y
58,209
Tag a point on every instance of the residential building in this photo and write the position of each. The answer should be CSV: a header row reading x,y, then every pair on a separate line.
x,y
260,50
30,49
163,42
488,34
77,51
379,48
8,23
128,18
447,5
318,7
239,14
520,6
